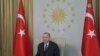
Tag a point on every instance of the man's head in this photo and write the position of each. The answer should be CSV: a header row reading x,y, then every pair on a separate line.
x,y
46,37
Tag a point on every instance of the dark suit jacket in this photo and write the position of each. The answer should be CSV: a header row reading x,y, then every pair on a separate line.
x,y
52,50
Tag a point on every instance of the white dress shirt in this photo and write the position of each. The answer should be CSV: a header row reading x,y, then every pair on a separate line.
x,y
46,45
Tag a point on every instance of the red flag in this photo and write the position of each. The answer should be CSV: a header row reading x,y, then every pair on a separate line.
x,y
21,41
90,45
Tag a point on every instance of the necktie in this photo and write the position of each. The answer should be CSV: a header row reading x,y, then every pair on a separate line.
x,y
46,46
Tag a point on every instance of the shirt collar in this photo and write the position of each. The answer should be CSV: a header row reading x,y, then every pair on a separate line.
x,y
46,43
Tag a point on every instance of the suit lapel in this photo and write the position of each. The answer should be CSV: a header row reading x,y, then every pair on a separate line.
x,y
43,47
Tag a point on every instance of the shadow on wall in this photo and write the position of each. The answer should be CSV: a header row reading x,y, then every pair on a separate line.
x,y
70,51
66,49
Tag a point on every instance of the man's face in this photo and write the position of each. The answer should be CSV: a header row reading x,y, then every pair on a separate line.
x,y
45,38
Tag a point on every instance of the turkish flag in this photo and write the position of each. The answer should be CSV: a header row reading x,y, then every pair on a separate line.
x,y
90,45
22,45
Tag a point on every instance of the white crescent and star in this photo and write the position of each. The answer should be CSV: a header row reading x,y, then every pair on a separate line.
x,y
21,32
90,16
91,32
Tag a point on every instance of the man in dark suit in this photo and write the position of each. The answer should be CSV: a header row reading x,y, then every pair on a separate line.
x,y
47,47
